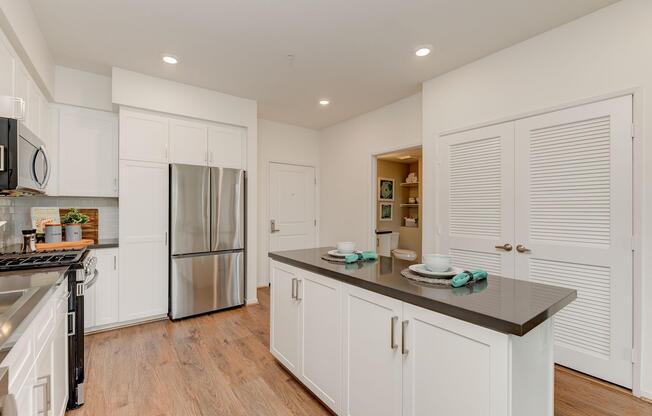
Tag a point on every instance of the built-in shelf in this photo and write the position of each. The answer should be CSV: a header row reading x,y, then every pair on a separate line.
x,y
409,205
410,228
410,185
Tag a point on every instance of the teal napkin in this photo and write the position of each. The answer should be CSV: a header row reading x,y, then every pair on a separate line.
x,y
466,276
365,255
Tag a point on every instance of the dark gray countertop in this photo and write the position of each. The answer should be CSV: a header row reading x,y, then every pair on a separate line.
x,y
37,286
105,243
501,304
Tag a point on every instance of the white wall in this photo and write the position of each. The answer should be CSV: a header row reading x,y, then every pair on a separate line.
x,y
285,143
82,89
19,23
157,94
602,53
346,151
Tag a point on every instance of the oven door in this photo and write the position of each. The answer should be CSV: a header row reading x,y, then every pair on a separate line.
x,y
34,166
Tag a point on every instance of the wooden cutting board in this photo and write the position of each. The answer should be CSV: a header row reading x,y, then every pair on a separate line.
x,y
64,245
90,229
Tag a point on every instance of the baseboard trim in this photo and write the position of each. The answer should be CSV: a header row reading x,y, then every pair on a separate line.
x,y
111,327
253,301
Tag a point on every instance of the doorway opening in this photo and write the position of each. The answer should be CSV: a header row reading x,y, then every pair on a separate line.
x,y
397,203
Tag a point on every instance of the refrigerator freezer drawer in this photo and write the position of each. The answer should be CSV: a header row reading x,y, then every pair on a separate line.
x,y
206,283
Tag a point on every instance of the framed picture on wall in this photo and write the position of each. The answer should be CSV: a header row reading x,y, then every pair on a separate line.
x,y
386,211
385,189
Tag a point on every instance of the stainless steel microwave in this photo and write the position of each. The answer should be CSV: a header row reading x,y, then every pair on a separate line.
x,y
24,163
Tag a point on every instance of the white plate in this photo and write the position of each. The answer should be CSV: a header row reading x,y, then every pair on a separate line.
x,y
420,269
336,253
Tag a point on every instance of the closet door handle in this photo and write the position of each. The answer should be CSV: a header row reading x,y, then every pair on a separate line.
x,y
506,247
392,343
522,249
404,349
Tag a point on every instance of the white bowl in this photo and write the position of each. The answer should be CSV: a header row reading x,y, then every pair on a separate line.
x,y
346,247
437,262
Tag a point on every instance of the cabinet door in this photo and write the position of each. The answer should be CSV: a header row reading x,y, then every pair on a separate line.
x,y
188,143
284,316
451,367
88,148
25,400
477,199
143,282
321,337
106,287
226,146
143,136
42,388
60,363
6,69
372,356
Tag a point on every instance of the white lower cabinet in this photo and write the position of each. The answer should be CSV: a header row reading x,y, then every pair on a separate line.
x,y
101,300
366,354
372,353
305,329
446,360
320,336
38,362
284,317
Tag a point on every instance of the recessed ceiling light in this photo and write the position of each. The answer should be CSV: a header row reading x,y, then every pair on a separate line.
x,y
423,50
170,59
324,102
406,157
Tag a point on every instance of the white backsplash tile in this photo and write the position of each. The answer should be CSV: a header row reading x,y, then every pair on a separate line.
x,y
16,211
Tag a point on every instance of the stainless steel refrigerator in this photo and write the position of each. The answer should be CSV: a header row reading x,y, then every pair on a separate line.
x,y
207,229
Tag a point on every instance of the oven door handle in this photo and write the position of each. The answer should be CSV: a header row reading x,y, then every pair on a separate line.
x,y
93,280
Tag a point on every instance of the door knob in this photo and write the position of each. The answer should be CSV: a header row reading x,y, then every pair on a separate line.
x,y
506,247
522,249
272,225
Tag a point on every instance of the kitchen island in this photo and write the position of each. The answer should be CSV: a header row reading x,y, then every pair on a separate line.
x,y
367,341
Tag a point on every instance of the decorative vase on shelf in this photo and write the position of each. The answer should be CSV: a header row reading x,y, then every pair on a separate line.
x,y
73,221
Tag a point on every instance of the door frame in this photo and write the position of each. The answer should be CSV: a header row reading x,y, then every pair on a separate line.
x,y
264,224
373,174
638,191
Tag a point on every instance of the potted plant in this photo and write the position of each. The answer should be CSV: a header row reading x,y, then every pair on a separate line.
x,y
72,222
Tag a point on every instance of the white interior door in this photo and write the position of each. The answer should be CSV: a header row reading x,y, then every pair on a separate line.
x,y
291,207
574,215
477,198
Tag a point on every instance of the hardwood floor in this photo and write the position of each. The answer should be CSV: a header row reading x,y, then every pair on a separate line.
x,y
220,364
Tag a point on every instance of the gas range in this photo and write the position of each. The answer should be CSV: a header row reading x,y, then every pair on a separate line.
x,y
40,259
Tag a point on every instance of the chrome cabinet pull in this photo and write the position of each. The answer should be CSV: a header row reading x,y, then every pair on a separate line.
x,y
298,291
2,158
392,343
404,325
506,247
522,249
294,288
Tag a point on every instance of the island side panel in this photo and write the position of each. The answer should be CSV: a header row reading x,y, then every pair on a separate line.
x,y
533,371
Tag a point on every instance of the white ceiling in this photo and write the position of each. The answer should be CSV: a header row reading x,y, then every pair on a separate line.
x,y
357,53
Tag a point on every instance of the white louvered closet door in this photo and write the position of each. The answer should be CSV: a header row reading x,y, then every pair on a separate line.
x,y
574,214
477,198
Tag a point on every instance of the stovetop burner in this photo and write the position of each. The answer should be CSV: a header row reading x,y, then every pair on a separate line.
x,y
16,261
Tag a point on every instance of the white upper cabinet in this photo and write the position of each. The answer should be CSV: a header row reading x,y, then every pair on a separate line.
x,y
143,136
226,146
6,70
188,142
88,148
